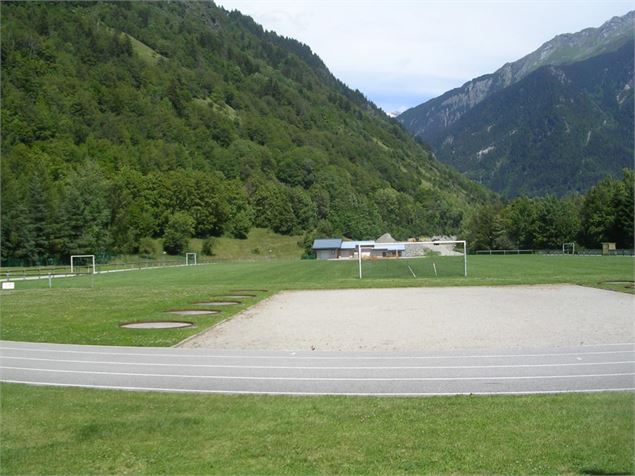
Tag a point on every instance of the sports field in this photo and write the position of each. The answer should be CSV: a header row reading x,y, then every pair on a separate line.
x,y
88,310
79,431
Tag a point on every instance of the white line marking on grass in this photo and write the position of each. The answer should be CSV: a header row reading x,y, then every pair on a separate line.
x,y
324,357
413,273
291,367
352,394
321,379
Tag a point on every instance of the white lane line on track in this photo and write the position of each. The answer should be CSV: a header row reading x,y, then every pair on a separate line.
x,y
329,357
320,379
602,345
351,394
283,367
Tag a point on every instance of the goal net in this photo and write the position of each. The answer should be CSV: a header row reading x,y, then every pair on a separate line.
x,y
83,264
190,259
413,260
568,248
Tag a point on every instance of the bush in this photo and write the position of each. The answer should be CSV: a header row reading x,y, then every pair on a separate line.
x,y
209,245
306,243
147,247
177,234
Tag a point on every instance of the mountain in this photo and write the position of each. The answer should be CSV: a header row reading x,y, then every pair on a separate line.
x,y
558,130
430,118
126,120
567,108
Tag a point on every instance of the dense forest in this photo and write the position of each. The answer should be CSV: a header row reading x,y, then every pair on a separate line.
x,y
123,122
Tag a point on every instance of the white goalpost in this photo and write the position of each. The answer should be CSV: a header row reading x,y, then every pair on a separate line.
x,y
190,259
76,257
568,248
416,259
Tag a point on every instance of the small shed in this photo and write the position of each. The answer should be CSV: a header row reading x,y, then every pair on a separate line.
x,y
607,248
327,248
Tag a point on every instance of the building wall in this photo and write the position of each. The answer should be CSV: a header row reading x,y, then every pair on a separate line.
x,y
326,254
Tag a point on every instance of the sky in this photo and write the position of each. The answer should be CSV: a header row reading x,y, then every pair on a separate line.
x,y
400,53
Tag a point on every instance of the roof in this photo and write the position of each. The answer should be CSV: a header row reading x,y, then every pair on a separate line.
x,y
327,244
352,245
390,247
337,244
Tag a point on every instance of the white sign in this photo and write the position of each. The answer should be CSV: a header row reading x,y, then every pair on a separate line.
x,y
8,285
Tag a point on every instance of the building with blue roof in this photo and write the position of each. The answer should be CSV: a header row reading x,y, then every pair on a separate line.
x,y
335,248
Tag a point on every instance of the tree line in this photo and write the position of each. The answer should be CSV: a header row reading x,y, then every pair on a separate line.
x,y
50,212
604,214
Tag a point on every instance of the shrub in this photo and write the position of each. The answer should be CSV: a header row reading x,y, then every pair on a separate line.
x,y
209,245
147,247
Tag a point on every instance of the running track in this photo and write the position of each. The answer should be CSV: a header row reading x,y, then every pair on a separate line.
x,y
519,371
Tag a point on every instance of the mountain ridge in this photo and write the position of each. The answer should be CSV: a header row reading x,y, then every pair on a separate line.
x,y
558,130
431,117
503,128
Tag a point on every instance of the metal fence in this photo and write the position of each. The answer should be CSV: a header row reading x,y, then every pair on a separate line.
x,y
505,252
578,252
45,272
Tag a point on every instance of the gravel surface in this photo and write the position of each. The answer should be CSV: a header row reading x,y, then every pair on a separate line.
x,y
419,319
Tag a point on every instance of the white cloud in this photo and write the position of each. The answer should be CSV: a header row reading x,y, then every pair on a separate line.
x,y
409,48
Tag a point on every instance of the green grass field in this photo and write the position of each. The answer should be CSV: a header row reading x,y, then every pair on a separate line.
x,y
88,310
81,431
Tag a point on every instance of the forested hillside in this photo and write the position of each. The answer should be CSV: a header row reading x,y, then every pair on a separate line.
x,y
124,121
604,214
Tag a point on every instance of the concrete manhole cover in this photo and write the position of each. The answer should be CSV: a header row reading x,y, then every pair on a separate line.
x,y
157,325
217,303
193,312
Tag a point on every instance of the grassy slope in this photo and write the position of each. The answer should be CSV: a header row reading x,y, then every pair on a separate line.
x,y
58,431
73,312
260,244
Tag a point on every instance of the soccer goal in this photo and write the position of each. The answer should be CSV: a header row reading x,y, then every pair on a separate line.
x,y
81,262
568,248
413,259
190,259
